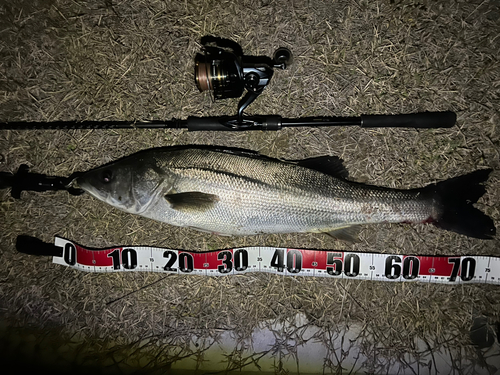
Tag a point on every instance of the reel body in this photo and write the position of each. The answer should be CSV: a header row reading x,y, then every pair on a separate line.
x,y
223,70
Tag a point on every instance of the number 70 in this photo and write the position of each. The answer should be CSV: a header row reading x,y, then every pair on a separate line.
x,y
467,269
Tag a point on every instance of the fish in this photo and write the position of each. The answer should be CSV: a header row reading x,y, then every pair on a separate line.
x,y
237,192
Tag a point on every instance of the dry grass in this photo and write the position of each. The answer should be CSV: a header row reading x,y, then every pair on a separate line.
x,y
96,60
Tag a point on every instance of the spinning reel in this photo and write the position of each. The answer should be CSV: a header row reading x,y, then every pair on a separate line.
x,y
223,70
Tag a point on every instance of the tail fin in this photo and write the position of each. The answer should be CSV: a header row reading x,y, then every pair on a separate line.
x,y
455,198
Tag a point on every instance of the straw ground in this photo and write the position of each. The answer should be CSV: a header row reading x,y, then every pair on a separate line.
x,y
133,60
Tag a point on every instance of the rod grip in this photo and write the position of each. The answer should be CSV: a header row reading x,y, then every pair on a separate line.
x,y
206,123
412,120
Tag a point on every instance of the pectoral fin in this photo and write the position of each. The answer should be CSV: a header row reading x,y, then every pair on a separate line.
x,y
349,234
192,201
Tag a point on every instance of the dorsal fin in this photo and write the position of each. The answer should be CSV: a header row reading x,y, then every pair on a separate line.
x,y
330,165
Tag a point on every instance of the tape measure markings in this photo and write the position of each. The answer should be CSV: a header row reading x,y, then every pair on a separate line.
x,y
283,261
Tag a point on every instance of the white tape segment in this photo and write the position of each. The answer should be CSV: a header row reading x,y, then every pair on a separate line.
x,y
283,261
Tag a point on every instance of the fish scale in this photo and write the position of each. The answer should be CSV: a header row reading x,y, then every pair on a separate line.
x,y
236,192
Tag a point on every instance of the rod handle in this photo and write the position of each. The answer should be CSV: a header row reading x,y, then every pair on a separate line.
x,y
206,123
412,120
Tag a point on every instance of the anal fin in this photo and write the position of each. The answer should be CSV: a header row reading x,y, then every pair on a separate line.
x,y
348,234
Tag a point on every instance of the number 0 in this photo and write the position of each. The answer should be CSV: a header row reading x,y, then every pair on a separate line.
x,y
70,254
240,260
351,264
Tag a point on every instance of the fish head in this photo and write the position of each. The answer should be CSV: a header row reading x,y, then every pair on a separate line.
x,y
127,184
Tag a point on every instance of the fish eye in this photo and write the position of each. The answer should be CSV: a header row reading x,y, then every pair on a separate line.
x,y
106,176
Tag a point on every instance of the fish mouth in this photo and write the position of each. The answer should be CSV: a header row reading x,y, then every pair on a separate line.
x,y
83,184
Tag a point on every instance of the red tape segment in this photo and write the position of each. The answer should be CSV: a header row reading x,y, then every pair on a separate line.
x,y
283,261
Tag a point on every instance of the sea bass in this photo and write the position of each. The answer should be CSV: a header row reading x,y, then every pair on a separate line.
x,y
237,192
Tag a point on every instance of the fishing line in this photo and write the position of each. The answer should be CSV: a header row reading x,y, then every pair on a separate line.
x,y
459,269
135,291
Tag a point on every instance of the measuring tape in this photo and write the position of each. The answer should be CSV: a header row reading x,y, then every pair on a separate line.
x,y
282,261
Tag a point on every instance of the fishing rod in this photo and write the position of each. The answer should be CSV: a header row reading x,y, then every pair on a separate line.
x,y
269,122
225,72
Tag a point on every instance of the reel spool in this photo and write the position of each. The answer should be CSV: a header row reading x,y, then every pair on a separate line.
x,y
226,72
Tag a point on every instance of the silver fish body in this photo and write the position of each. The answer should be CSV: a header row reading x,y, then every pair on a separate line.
x,y
235,192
